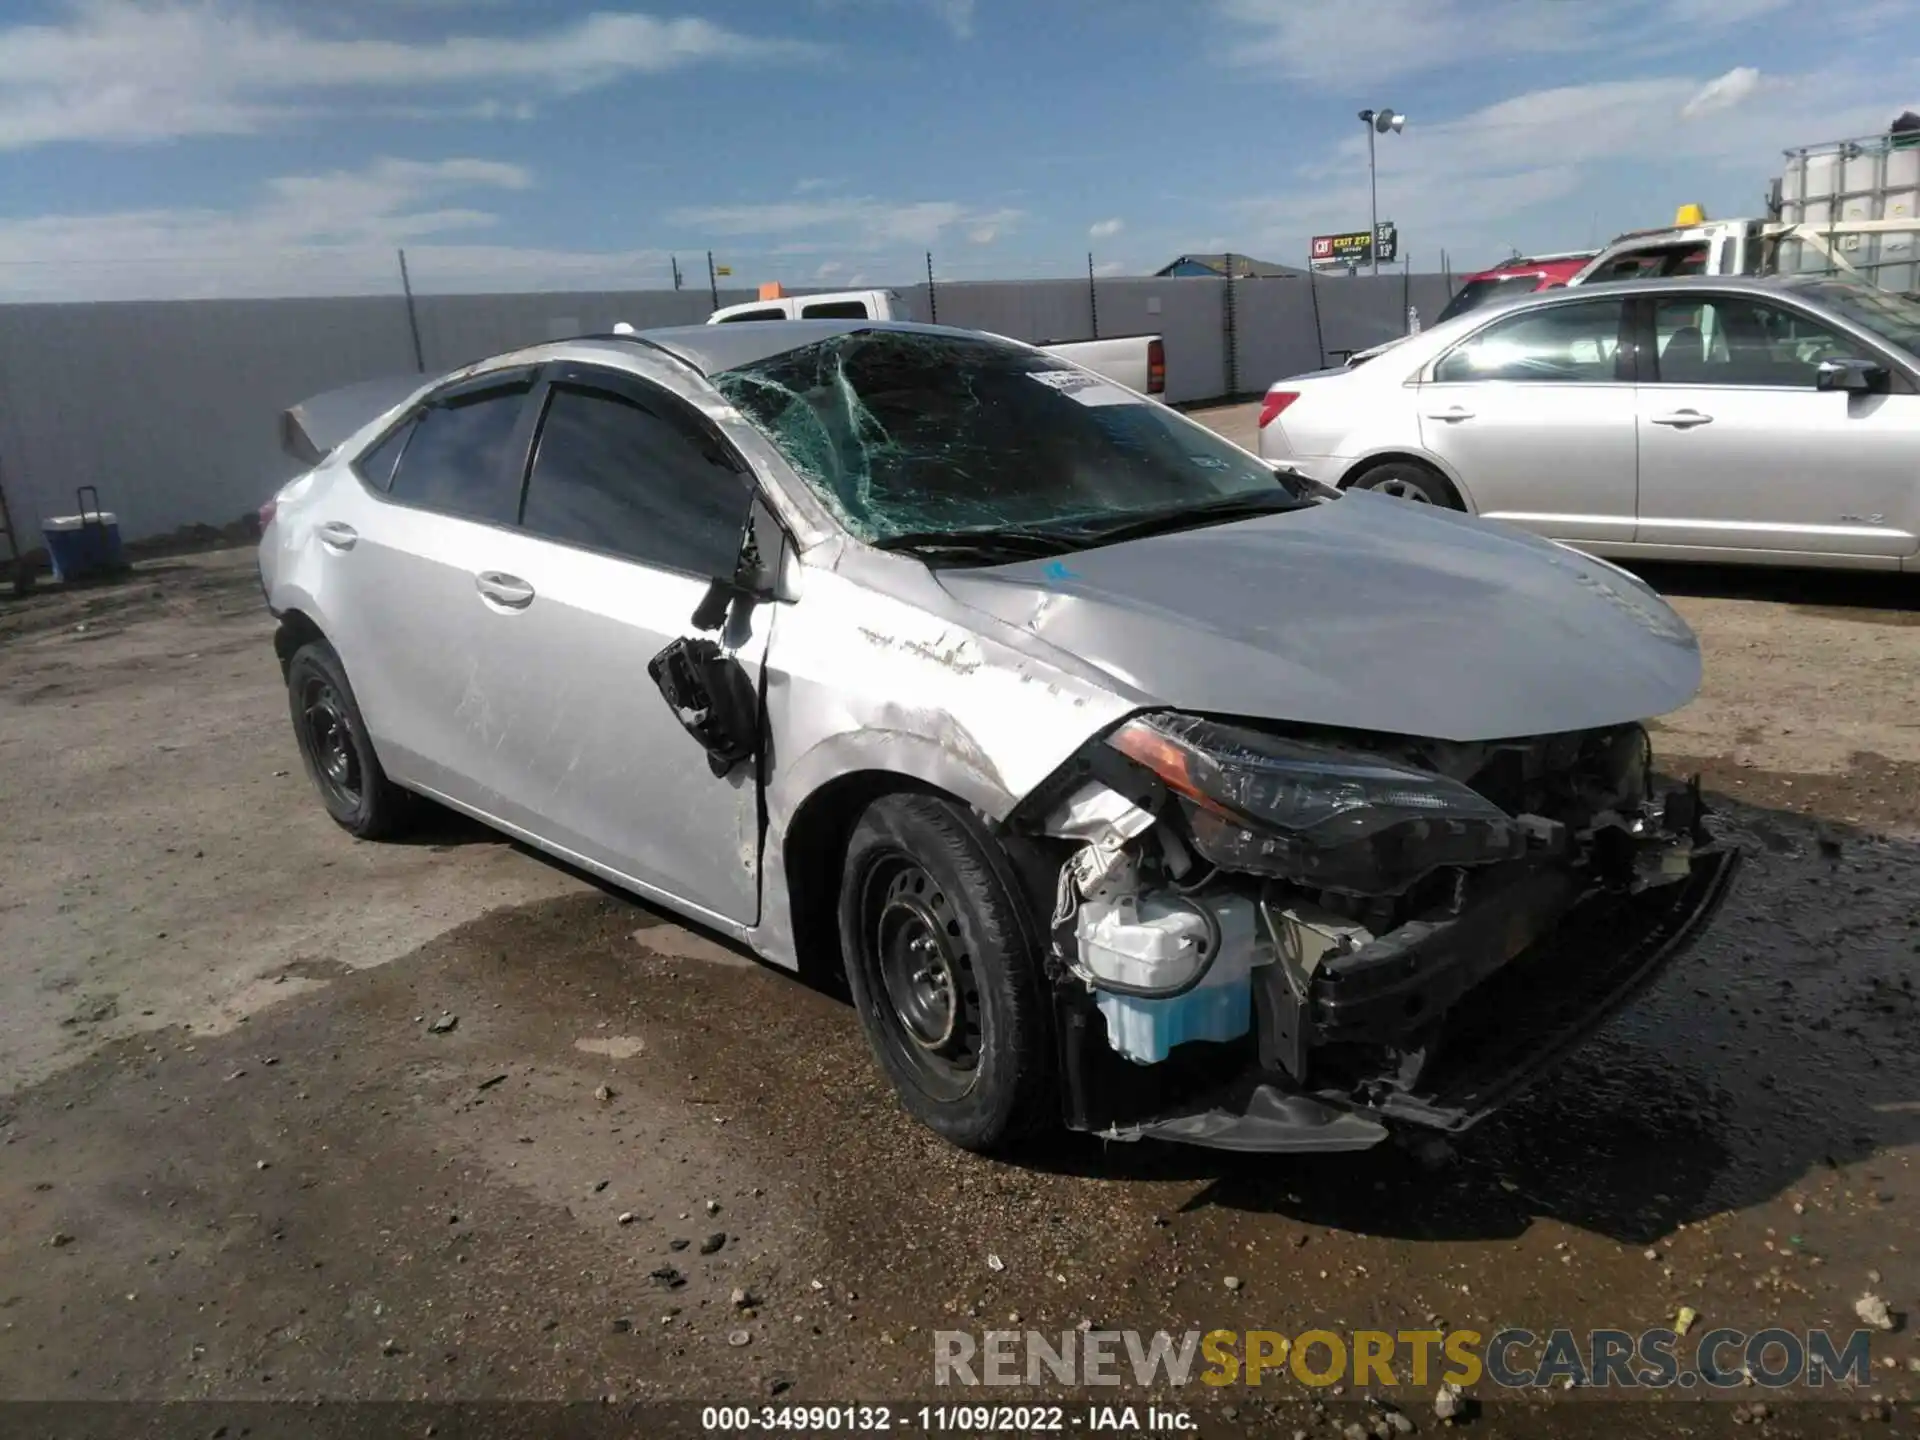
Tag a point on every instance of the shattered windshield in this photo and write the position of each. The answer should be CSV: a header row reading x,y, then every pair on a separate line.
x,y
906,434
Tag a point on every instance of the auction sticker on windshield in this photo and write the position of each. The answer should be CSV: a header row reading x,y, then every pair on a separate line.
x,y
1087,389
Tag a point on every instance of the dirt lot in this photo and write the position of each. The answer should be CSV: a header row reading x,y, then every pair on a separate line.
x,y
238,1163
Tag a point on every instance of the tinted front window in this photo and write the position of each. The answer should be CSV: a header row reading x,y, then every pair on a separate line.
x,y
458,462
774,314
1575,342
614,475
835,310
1725,340
902,433
1476,293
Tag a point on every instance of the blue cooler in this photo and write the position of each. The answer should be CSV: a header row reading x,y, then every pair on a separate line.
x,y
84,544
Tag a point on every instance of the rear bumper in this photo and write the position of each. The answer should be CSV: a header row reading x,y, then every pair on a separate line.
x,y
1507,1013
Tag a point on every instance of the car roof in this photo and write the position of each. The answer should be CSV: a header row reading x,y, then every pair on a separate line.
x,y
711,349
1664,285
1531,265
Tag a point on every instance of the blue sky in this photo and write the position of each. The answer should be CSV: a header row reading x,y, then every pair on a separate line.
x,y
187,147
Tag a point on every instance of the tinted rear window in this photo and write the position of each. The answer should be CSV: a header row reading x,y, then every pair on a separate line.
x,y
457,461
835,310
1476,293
376,465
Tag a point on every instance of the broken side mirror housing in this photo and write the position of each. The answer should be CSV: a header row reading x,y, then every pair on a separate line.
x,y
711,695
1845,372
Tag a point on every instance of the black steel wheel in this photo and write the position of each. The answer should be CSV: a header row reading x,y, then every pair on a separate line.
x,y
942,962
336,750
327,740
925,974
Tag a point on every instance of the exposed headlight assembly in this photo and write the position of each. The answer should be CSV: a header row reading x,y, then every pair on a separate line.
x,y
1313,814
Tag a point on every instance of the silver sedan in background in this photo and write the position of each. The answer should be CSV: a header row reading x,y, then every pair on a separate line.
x,y
1763,421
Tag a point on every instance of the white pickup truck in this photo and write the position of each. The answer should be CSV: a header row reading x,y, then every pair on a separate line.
x,y
1136,361
1842,207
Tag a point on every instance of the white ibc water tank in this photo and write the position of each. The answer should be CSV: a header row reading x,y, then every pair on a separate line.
x,y
1853,181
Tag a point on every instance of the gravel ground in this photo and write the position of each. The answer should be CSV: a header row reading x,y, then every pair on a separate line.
x,y
271,1175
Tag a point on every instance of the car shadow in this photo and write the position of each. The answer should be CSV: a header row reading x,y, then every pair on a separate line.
x,y
458,829
1841,594
1776,1049
437,828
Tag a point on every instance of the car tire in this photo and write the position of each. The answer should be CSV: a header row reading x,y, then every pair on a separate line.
x,y
336,750
943,963
1404,480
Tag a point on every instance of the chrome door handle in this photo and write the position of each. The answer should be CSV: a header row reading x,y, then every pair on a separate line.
x,y
1456,413
502,589
337,534
1683,419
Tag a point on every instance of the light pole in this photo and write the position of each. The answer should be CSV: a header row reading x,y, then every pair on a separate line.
x,y
1377,122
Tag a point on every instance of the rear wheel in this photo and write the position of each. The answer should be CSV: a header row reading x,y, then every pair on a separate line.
x,y
1405,480
336,750
944,970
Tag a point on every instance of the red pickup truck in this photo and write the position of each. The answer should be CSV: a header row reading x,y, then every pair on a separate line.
x,y
1515,277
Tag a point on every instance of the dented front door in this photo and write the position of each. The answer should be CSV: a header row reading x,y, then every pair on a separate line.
x,y
630,509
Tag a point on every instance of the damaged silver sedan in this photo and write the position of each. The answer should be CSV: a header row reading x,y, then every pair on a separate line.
x,y
1130,783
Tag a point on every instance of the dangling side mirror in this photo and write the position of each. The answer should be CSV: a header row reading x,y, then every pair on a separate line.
x,y
709,691
711,696
751,578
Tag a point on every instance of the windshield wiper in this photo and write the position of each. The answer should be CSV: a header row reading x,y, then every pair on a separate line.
x,y
1192,517
985,546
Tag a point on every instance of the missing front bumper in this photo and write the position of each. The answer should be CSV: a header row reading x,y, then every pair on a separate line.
x,y
1502,1028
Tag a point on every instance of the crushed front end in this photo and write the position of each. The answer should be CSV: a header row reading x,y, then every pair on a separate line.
x,y
1276,939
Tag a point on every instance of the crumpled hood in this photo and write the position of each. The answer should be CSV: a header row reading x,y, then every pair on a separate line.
x,y
1365,613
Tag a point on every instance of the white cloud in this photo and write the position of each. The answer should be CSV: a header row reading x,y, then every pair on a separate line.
x,y
1110,268
1722,93
1105,229
1721,12
956,15
851,223
1529,160
1366,43
123,71
324,234
1341,46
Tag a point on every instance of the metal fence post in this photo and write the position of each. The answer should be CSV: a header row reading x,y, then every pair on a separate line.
x,y
1319,341
933,304
1233,333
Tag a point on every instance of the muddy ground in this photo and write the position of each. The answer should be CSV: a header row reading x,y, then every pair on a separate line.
x,y
237,1163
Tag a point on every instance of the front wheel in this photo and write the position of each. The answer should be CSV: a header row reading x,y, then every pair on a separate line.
x,y
1406,481
944,967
